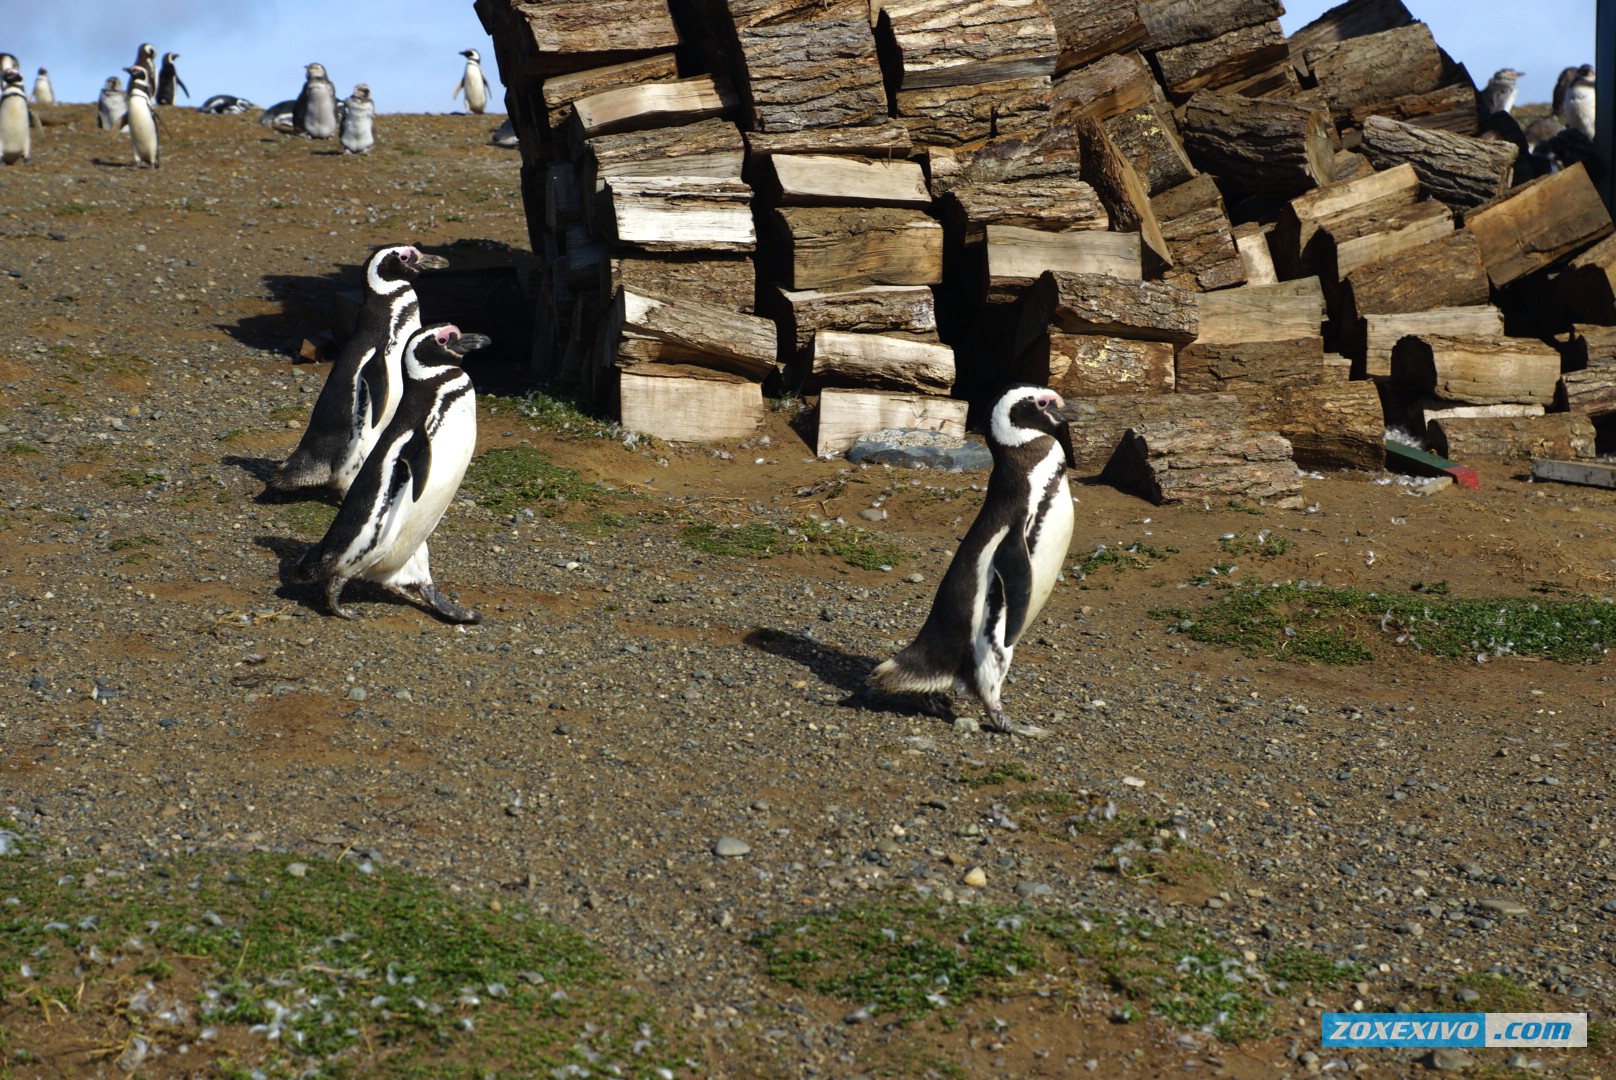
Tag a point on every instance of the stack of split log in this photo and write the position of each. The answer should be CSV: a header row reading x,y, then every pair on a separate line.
x,y
1241,253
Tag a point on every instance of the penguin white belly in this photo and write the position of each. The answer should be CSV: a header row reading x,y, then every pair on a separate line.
x,y
14,133
1054,537
143,133
411,521
371,418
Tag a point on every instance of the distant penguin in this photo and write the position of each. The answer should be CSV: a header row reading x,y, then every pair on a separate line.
x,y
398,498
141,119
363,389
145,57
279,116
1499,94
505,135
1540,131
1578,108
315,111
8,62
15,136
1563,83
1005,567
168,78
358,121
225,105
472,83
113,105
43,94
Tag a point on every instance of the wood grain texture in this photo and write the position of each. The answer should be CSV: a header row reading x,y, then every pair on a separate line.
x,y
1267,147
1478,370
1334,424
969,42
845,415
689,407
1539,223
1461,171
885,363
826,248
818,73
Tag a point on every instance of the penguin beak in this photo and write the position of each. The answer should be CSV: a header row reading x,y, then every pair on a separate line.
x,y
423,261
466,343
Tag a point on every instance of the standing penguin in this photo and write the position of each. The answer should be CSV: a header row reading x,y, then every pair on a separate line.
x,y
358,121
473,83
400,494
43,94
113,105
15,138
146,58
141,119
1498,96
315,111
168,78
364,387
1563,83
1579,104
1005,567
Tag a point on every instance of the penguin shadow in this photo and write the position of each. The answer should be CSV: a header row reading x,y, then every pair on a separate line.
x,y
112,163
845,671
290,551
260,469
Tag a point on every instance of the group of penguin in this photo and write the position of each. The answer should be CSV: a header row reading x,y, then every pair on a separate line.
x,y
1557,141
395,425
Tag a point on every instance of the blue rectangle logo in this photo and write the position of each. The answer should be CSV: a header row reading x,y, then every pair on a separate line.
x,y
1455,1029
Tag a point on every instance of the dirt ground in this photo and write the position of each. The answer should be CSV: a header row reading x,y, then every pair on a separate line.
x,y
629,700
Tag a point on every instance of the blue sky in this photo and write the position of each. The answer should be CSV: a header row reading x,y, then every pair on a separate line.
x,y
407,49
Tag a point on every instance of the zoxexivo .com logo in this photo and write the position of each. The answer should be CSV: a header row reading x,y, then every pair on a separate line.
x,y
1455,1029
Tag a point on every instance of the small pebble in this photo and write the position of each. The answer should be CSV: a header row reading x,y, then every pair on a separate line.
x,y
975,877
728,847
1504,907
1450,1059
297,869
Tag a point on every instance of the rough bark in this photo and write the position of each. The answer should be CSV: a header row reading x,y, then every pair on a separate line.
x,y
957,115
1561,436
1450,108
1098,304
1540,223
726,281
1205,368
1192,460
1045,155
562,37
968,42
1478,370
1203,249
1099,422
1363,72
1089,29
887,141
818,73
1346,244
1235,57
1178,22
1355,18
1461,171
560,91
1148,138
1370,343
744,344
1056,205
1106,87
1446,272
1295,245
906,310
711,148
1267,147
1120,188
1094,365
883,363
828,248
1331,425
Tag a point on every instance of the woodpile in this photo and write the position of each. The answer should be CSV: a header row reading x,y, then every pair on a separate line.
x,y
1241,253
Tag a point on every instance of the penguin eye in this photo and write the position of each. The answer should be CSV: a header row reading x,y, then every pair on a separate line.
x,y
1043,403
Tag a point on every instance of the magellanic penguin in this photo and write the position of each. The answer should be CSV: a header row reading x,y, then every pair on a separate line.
x,y
168,78
145,57
141,119
358,121
1563,83
315,111
113,105
1005,567
16,140
43,94
472,83
400,494
225,105
1498,96
363,390
1579,104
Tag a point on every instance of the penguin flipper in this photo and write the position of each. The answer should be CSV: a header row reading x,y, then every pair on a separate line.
x,y
181,84
373,391
1012,565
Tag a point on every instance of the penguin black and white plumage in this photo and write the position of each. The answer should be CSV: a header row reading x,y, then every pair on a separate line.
x,y
16,140
279,116
142,121
225,105
43,93
1498,96
1563,83
358,132
364,387
505,135
145,57
1578,108
112,106
472,83
315,111
1005,567
406,484
168,77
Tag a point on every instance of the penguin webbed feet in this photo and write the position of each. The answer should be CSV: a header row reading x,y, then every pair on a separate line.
x,y
333,594
445,608
999,720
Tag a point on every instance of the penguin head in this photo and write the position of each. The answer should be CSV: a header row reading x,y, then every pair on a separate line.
x,y
169,58
361,92
440,344
1024,413
472,54
113,83
147,51
10,77
138,79
314,72
399,263
458,343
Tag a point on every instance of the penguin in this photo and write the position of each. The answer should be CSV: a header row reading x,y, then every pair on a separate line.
x,y
505,135
279,116
315,111
400,494
142,121
43,94
145,58
472,83
1563,83
168,78
16,139
8,62
1005,567
113,105
225,105
1499,94
362,392
1579,105
358,133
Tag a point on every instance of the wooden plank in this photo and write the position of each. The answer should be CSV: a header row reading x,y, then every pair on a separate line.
x,y
1365,197
746,341
652,105
1539,223
1589,473
824,180
909,310
827,248
678,213
1411,459
1252,241
690,408
881,362
845,415
1204,368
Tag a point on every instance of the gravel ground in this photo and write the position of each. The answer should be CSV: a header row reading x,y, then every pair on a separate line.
x,y
631,709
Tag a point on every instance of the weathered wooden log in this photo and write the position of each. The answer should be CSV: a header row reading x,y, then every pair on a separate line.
x,y
826,248
1351,165
1049,154
725,281
1089,29
1355,18
1204,253
744,344
652,105
563,37
1461,171
1199,193
1205,368
1364,71
1450,108
1252,241
1446,272
1179,22
1285,311
711,148
1230,58
1014,257
688,404
1370,343
1426,409
881,362
680,213
844,415
825,180
1591,391
560,91
1589,346
1094,365
1588,285
1054,204
1119,187
1539,223
1099,422
1478,370
887,141
1099,304
1268,147
1148,138
1190,460
819,72
1345,244
954,43
1565,436
1109,85
1367,197
748,14
958,115
896,310
1333,424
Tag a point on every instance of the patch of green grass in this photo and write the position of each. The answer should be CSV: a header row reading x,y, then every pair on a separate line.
x,y
1245,508
1005,772
283,413
759,540
558,413
72,209
21,448
311,518
1136,556
134,540
1500,993
1335,626
1309,967
507,479
349,968
1601,1036
1263,545
131,478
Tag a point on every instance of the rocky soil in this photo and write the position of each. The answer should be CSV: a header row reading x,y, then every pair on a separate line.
x,y
629,702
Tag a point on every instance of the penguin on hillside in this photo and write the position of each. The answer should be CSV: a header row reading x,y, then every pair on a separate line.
x,y
225,105
1578,108
1498,96
315,111
141,119
1563,83
145,58
168,78
472,83
43,92
1005,567
358,132
400,494
16,140
113,105
363,390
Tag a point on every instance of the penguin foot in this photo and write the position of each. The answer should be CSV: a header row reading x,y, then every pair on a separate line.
x,y
998,720
333,593
446,608
938,705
